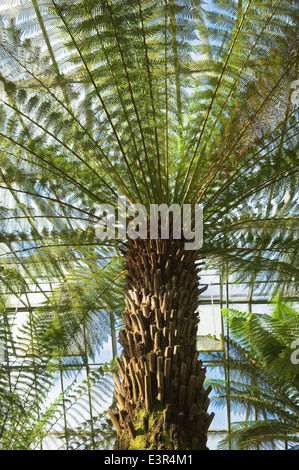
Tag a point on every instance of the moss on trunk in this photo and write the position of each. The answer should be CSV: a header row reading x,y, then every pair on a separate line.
x,y
152,433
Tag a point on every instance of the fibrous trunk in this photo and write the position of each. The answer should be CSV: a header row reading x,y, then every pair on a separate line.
x,y
161,401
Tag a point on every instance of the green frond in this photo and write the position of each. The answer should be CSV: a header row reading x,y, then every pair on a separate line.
x,y
263,384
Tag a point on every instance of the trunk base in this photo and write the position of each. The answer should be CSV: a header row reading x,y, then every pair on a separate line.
x,y
152,433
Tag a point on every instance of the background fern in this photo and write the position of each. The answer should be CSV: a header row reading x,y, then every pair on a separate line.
x,y
263,382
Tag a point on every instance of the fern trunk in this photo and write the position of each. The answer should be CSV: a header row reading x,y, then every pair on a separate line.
x,y
162,404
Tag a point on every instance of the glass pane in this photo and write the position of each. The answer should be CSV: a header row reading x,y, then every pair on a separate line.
x,y
209,328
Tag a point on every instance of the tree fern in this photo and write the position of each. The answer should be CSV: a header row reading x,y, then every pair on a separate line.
x,y
161,102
